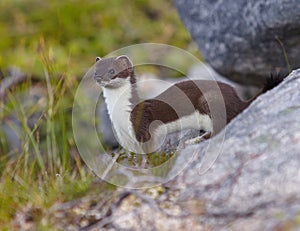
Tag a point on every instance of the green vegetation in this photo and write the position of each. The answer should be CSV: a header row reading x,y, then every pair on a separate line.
x,y
55,42
74,32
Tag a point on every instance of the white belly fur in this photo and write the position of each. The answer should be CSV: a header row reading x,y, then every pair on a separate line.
x,y
193,121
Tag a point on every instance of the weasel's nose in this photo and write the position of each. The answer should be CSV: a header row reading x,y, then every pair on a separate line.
x,y
98,78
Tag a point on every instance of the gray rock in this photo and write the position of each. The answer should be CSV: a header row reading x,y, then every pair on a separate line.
x,y
11,131
32,102
252,185
205,71
15,77
256,179
245,40
105,126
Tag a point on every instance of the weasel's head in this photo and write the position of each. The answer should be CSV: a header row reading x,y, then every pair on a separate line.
x,y
113,72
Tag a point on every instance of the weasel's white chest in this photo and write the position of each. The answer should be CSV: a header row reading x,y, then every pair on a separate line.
x,y
119,108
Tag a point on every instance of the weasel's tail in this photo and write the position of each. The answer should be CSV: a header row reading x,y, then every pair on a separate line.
x,y
271,82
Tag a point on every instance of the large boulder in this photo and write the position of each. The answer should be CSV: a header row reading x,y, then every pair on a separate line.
x,y
253,184
245,40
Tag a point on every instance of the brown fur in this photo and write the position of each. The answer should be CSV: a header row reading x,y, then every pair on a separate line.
x,y
144,113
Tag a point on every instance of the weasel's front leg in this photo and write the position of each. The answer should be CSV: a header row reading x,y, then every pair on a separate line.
x,y
198,139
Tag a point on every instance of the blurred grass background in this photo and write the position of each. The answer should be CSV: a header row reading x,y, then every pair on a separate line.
x,y
56,42
75,31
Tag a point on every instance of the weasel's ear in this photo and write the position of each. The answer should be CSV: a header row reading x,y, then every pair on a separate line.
x,y
125,60
97,59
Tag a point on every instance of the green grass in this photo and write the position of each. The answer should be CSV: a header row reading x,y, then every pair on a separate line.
x,y
55,42
45,171
77,31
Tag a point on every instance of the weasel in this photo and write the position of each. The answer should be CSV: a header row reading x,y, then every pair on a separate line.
x,y
141,125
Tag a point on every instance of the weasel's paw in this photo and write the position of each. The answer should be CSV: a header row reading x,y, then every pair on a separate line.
x,y
198,139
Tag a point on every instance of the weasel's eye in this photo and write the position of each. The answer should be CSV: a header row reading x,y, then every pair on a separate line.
x,y
111,71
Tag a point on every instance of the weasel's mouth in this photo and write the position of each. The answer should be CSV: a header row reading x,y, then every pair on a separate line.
x,y
101,82
98,79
